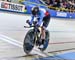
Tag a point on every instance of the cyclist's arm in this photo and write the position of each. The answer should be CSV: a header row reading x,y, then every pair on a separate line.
x,y
32,18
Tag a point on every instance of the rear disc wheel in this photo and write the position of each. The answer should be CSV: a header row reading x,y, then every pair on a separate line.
x,y
46,42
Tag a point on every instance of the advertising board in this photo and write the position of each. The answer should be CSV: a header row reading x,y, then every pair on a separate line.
x,y
12,6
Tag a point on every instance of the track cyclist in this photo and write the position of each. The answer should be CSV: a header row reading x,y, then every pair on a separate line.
x,y
42,15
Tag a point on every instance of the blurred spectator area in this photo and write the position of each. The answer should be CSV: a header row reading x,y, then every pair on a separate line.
x,y
61,5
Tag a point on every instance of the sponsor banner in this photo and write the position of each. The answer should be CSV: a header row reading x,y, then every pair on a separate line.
x,y
12,6
61,14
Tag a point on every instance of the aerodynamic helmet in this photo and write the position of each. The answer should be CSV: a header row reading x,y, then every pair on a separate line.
x,y
35,10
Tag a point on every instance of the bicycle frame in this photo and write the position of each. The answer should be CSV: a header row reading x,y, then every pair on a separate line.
x,y
37,31
36,34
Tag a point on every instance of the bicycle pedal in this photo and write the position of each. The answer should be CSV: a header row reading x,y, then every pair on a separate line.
x,y
41,47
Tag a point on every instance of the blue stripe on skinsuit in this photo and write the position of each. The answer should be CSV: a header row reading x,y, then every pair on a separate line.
x,y
40,16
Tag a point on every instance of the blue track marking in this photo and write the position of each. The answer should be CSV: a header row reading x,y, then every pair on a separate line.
x,y
66,56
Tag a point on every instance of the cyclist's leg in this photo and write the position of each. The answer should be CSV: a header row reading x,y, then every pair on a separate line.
x,y
46,21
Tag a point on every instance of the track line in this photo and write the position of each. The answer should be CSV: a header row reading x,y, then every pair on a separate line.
x,y
62,42
19,44
9,41
13,40
62,50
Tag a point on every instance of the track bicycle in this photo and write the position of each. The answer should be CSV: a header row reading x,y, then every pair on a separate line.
x,y
32,38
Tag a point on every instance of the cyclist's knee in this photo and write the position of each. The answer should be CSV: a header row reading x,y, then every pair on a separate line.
x,y
43,28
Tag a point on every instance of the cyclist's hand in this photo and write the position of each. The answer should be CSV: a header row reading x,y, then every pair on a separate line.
x,y
38,25
28,22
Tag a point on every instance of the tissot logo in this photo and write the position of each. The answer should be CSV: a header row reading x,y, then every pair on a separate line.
x,y
11,6
4,5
